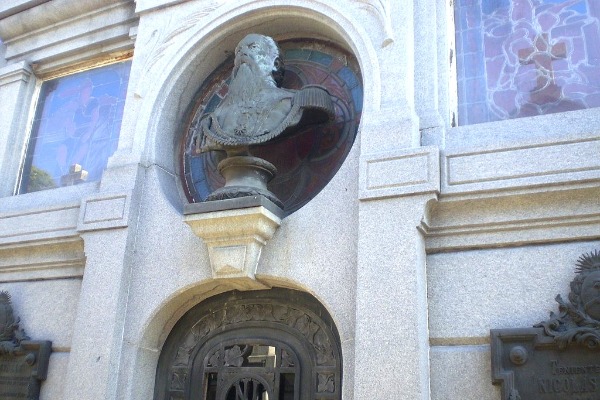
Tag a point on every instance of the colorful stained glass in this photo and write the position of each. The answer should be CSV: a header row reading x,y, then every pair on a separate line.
x,y
307,160
76,127
520,58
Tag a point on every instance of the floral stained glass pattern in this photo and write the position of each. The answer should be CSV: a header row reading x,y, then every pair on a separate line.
x,y
307,160
76,127
519,58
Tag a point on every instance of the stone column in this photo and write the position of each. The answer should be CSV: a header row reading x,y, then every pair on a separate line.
x,y
17,84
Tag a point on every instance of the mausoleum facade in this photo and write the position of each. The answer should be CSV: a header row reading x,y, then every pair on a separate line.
x,y
450,192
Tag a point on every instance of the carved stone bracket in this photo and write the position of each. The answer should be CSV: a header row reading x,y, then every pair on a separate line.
x,y
235,232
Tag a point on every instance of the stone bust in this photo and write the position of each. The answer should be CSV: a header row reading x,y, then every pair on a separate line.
x,y
255,109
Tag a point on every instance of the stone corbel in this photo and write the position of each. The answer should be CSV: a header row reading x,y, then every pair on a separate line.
x,y
235,231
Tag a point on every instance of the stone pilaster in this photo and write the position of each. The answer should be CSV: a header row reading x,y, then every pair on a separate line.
x,y
392,348
17,84
426,67
107,226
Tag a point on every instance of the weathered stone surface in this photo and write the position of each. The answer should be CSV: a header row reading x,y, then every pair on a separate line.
x,y
414,269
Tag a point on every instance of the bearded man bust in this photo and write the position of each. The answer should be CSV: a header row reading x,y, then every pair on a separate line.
x,y
256,109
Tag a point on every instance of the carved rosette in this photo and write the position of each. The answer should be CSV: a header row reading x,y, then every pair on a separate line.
x,y
578,321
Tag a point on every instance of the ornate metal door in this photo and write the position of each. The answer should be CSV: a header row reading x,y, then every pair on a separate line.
x,y
267,345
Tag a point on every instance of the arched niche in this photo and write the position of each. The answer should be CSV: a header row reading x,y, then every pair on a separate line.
x,y
209,46
275,344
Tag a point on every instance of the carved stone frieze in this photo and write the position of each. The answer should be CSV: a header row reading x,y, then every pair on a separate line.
x,y
293,318
326,383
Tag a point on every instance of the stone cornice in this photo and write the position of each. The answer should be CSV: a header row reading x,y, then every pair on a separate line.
x,y
41,15
56,29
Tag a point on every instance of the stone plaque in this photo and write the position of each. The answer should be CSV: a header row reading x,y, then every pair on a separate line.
x,y
558,359
23,362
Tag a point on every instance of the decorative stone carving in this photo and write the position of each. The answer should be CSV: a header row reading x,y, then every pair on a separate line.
x,y
557,359
579,319
23,363
11,335
382,8
296,319
256,110
326,383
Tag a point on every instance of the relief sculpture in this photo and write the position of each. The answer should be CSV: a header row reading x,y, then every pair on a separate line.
x,y
579,318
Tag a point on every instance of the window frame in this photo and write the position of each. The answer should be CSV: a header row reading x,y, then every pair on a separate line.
x,y
39,80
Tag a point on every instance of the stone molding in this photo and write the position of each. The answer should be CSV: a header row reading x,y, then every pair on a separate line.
x,y
552,215
40,244
17,82
401,172
537,190
57,28
144,6
15,72
521,166
8,8
40,224
42,259
104,211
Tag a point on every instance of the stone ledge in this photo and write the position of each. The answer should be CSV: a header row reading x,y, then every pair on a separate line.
x,y
96,25
36,15
402,172
526,218
31,225
521,167
42,260
8,8
41,244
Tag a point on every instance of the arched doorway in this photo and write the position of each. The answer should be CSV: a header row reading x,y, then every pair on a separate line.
x,y
275,344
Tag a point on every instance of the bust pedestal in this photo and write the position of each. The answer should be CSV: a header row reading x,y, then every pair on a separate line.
x,y
245,176
235,232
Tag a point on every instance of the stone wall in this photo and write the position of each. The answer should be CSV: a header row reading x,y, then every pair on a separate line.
x,y
427,237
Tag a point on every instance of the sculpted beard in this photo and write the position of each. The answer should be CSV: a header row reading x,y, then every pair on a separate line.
x,y
247,83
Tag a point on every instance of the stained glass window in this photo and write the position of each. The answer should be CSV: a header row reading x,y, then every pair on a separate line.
x,y
307,160
519,58
76,127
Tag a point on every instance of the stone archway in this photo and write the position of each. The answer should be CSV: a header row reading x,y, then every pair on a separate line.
x,y
275,344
